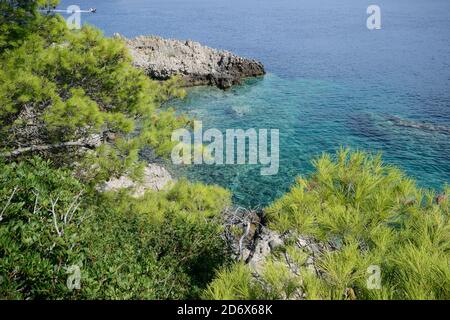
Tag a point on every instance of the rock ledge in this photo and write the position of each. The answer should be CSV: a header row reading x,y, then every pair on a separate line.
x,y
156,178
196,64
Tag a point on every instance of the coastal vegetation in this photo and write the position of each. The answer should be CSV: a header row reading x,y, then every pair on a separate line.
x,y
369,217
164,245
63,90
74,112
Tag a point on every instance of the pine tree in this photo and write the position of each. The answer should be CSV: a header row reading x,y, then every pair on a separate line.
x,y
63,90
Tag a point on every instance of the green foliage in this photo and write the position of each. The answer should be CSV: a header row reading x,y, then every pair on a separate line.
x,y
78,86
20,18
378,217
32,253
275,282
233,283
160,246
372,215
57,87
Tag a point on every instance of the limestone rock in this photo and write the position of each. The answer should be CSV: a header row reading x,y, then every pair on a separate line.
x,y
196,64
156,178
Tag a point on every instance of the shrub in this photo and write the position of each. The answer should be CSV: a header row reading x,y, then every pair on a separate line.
x,y
64,91
39,229
233,283
160,246
373,215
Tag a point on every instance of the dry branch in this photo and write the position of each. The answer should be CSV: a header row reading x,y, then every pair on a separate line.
x,y
8,203
45,147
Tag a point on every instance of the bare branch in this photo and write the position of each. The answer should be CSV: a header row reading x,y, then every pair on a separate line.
x,y
55,222
36,194
241,241
72,208
8,202
45,147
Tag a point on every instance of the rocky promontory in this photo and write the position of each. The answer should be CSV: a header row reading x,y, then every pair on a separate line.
x,y
196,64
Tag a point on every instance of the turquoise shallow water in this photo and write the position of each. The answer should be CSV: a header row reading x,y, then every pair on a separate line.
x,y
315,116
330,81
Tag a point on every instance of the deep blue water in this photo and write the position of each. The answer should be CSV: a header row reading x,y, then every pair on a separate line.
x,y
330,81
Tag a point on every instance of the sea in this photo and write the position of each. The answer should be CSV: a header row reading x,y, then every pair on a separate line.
x,y
331,81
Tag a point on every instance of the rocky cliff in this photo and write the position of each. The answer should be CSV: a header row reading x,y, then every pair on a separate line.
x,y
195,63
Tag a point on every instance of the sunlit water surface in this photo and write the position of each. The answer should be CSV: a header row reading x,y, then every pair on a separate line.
x,y
330,81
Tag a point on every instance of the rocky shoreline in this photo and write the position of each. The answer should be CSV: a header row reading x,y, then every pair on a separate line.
x,y
198,65
194,63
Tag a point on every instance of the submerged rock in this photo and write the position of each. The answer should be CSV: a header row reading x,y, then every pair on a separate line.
x,y
238,111
424,126
196,64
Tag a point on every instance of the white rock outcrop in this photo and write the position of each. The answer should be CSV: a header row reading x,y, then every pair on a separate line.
x,y
156,178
